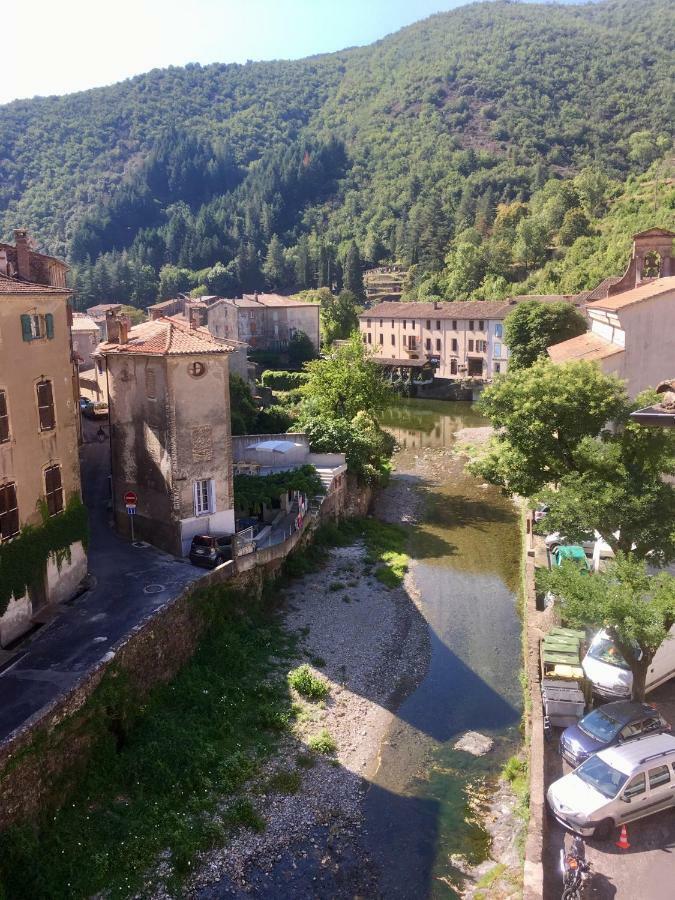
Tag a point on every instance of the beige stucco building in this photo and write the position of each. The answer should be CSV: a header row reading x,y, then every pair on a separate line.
x,y
462,340
86,336
39,461
632,322
169,397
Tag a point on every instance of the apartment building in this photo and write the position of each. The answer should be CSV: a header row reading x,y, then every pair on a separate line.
x,y
39,460
461,340
171,439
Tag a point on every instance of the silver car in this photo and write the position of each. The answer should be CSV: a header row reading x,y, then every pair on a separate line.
x,y
616,786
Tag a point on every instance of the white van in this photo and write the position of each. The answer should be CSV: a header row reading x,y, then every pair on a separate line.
x,y
610,674
616,786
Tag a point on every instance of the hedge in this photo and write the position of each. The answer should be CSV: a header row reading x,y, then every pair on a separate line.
x,y
284,381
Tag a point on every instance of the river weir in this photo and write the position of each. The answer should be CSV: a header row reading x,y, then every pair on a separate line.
x,y
423,809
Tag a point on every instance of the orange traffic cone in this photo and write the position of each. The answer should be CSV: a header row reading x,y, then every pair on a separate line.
x,y
622,843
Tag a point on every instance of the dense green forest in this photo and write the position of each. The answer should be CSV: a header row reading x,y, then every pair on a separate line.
x,y
487,148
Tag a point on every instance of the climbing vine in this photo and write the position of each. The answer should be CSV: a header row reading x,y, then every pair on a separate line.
x,y
22,560
251,491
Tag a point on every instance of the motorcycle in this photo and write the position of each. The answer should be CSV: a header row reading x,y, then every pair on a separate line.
x,y
576,872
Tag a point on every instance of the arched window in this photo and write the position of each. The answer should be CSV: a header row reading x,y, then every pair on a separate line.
x,y
651,265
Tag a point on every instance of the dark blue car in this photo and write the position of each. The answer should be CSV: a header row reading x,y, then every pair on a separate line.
x,y
608,725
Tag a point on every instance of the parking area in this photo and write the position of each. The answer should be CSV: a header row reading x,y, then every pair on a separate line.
x,y
647,869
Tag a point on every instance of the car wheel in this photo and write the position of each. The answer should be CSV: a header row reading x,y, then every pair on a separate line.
x,y
604,829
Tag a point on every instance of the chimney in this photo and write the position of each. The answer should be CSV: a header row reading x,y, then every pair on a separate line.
x,y
124,322
255,296
193,317
436,306
3,262
22,253
112,327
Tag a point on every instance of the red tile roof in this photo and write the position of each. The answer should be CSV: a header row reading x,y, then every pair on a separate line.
x,y
16,286
645,291
167,336
589,346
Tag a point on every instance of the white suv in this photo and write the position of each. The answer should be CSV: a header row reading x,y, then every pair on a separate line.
x,y
616,786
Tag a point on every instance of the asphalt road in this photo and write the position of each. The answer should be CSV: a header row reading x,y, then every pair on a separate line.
x,y
128,585
644,872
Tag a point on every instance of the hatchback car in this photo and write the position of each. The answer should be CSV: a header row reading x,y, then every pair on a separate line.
x,y
616,786
606,726
210,550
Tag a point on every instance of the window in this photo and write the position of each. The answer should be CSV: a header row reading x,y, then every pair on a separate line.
x,y
368,323
393,340
405,340
53,490
428,324
404,324
470,346
454,324
498,349
392,323
9,512
364,337
438,324
150,384
34,326
498,330
4,418
45,399
381,322
438,344
631,730
453,366
412,342
455,345
481,325
470,324
203,491
427,343
498,368
381,339
636,786
412,325
658,776
370,338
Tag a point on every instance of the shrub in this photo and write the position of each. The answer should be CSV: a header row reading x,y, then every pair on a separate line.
x,y
285,782
322,742
283,381
306,683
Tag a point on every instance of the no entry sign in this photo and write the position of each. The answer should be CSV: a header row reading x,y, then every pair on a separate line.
x,y
130,498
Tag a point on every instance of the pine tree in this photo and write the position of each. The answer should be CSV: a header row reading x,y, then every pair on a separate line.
x,y
274,268
352,276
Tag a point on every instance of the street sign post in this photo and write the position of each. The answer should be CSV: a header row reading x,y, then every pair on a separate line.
x,y
130,500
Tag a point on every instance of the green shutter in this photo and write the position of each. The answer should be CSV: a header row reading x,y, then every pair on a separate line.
x,y
49,325
25,328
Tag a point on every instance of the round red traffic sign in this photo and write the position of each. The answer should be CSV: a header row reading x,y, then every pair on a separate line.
x,y
130,498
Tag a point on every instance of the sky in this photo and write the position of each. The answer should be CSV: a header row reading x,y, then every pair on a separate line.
x,y
49,47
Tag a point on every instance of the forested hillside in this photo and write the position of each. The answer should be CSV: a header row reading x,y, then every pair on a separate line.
x,y
445,146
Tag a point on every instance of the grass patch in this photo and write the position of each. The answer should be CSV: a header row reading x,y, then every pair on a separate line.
x,y
305,761
285,782
336,586
386,545
322,742
305,682
492,877
317,661
160,766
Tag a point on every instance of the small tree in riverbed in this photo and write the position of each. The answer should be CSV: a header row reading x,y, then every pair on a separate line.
x,y
636,609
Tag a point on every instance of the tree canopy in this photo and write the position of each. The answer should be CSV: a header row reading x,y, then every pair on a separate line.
x,y
534,326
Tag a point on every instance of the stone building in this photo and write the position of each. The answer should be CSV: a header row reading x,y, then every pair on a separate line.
x,y
171,439
269,321
86,336
461,340
39,461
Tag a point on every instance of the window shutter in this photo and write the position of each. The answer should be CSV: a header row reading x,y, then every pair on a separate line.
x,y
4,418
49,325
26,332
9,513
195,497
45,405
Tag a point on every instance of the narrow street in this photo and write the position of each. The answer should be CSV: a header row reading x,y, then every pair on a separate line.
x,y
128,585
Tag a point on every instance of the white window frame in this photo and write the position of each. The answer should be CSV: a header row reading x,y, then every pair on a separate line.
x,y
203,493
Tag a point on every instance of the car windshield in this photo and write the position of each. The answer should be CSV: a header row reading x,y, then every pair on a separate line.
x,y
599,775
604,650
202,541
600,726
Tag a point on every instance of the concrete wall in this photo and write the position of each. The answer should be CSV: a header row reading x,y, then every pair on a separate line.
x,y
304,318
649,355
64,579
16,619
385,337
241,441
222,320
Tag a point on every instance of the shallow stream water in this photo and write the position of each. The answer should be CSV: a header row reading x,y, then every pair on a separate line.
x,y
422,807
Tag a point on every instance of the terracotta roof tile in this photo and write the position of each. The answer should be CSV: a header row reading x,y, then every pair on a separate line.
x,y
588,346
167,336
636,295
16,286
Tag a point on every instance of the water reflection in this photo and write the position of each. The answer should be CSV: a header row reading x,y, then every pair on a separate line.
x,y
467,596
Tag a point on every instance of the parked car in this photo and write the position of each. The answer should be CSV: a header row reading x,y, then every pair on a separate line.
x,y
616,786
85,403
97,410
210,550
540,512
610,674
608,725
588,541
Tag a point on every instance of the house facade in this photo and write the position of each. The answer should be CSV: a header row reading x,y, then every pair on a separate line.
x,y
632,318
39,449
86,336
269,321
461,340
171,440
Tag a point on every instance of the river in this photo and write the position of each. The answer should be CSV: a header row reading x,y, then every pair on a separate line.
x,y
422,807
